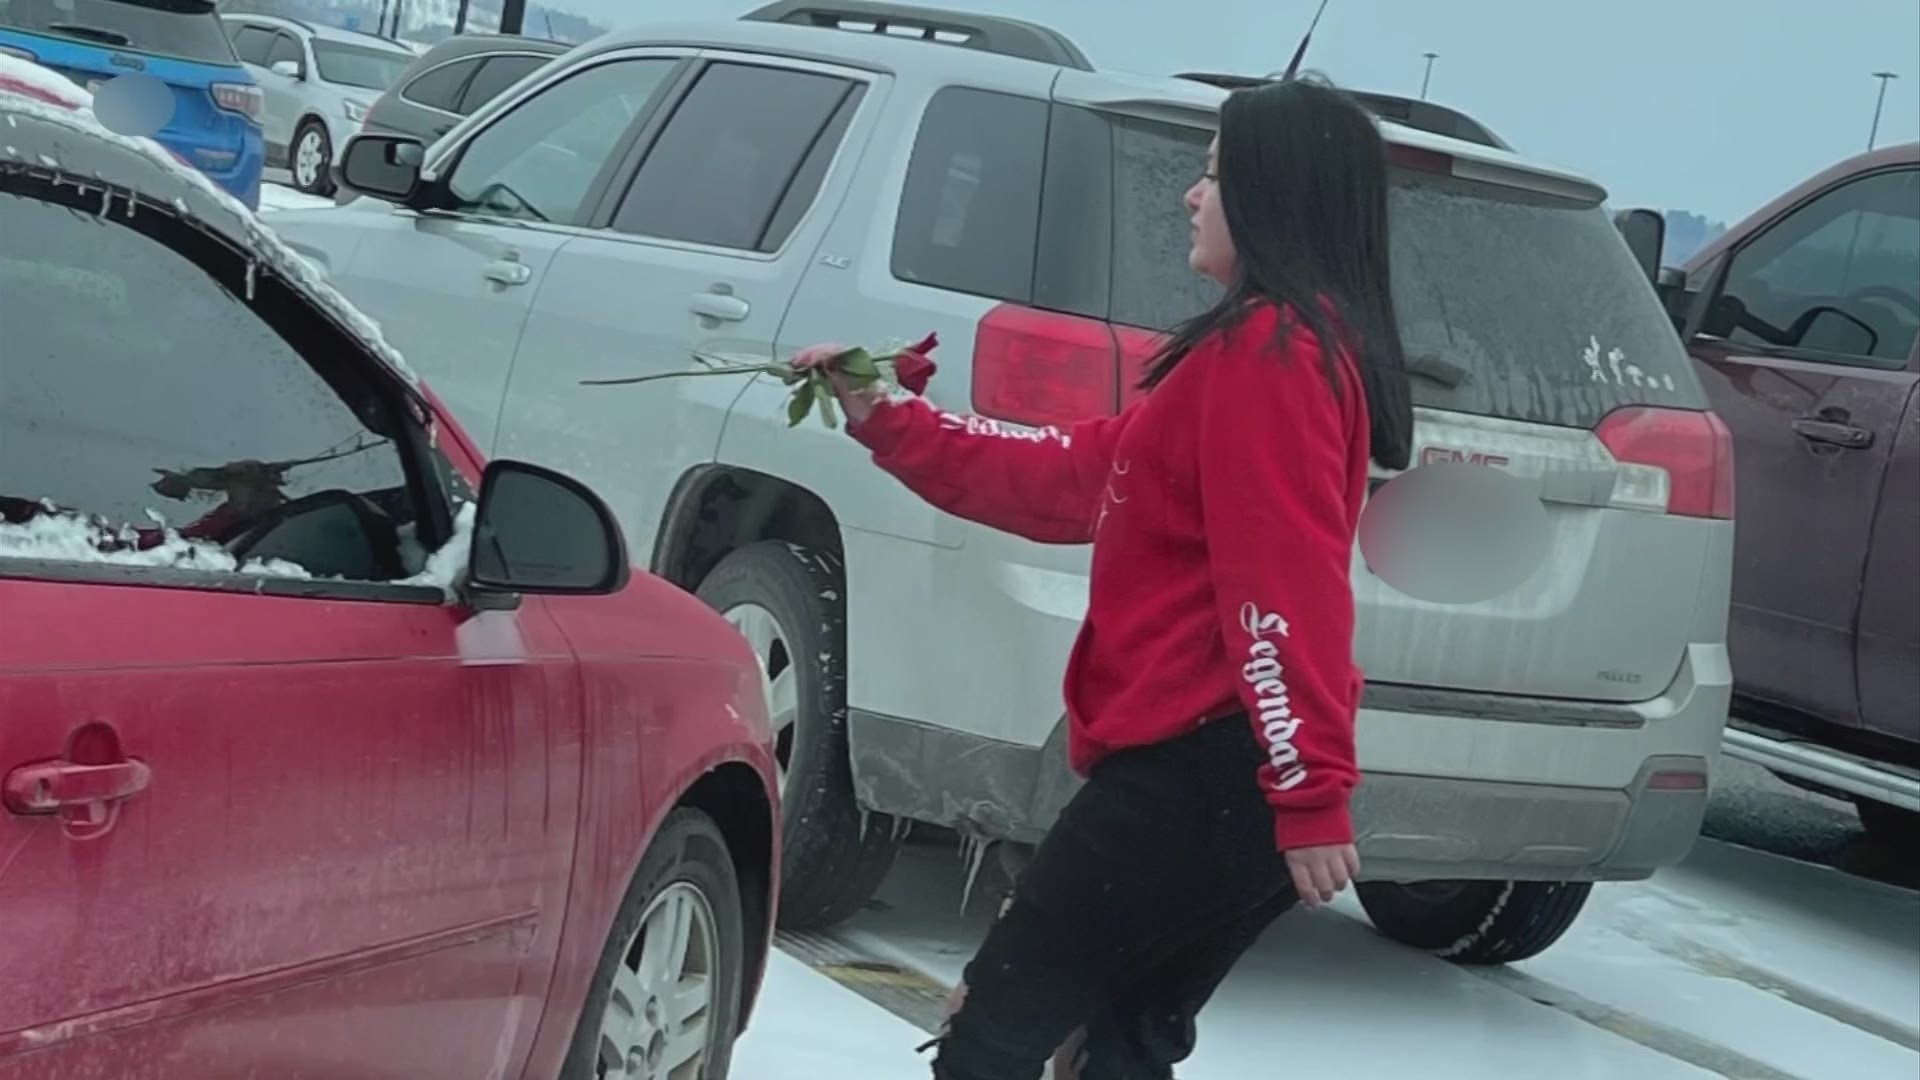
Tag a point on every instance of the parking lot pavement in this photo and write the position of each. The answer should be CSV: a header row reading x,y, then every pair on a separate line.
x,y
808,1028
1736,964
279,197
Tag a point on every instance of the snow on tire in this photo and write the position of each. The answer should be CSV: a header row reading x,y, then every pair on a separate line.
x,y
1475,922
789,602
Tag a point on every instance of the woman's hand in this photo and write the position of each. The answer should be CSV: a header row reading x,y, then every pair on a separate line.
x,y
855,402
1321,873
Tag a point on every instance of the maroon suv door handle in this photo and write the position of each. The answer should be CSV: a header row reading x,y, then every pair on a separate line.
x,y
1833,433
47,787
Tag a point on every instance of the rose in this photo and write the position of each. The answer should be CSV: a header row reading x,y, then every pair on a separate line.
x,y
821,380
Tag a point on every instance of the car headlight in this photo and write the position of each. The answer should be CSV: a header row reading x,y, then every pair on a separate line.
x,y
356,112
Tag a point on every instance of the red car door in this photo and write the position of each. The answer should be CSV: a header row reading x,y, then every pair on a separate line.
x,y
1806,358
272,806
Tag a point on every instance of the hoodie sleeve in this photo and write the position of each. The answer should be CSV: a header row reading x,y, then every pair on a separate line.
x,y
1273,447
1043,485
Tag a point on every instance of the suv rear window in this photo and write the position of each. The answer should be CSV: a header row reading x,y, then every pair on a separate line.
x,y
1536,299
183,29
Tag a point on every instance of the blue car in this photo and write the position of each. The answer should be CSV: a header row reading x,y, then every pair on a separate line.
x,y
217,105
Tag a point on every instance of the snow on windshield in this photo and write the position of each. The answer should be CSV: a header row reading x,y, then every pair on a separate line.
x,y
27,98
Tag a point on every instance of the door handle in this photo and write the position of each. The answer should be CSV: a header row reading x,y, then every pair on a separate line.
x,y
47,787
1833,433
720,307
508,272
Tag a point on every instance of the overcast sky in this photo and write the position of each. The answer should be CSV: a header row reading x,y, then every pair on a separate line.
x,y
1713,106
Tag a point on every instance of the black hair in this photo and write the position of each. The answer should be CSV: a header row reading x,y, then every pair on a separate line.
x,y
1303,183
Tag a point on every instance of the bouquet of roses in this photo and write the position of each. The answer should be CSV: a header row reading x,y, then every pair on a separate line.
x,y
908,367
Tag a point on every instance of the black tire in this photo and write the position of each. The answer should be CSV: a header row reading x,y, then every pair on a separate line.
x,y
1475,922
1893,827
689,849
835,855
322,183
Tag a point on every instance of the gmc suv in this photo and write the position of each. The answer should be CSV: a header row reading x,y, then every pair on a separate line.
x,y
835,170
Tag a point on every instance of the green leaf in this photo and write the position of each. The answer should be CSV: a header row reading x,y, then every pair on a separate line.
x,y
801,405
827,412
858,363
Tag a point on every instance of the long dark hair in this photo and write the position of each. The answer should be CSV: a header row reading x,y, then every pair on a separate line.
x,y
1303,183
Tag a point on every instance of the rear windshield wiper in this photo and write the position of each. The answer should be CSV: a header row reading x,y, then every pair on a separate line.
x,y
1436,368
97,33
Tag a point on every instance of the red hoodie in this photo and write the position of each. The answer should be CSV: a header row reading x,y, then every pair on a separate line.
x,y
1221,508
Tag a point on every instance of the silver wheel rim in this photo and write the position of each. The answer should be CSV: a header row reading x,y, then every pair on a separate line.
x,y
659,1019
778,678
307,158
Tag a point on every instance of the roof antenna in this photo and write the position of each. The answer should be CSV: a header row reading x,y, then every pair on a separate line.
x,y
1299,54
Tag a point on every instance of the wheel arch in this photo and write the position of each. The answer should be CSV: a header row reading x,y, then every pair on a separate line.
x,y
717,509
735,797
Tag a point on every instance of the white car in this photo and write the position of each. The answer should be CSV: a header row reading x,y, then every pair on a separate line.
x,y
737,190
319,83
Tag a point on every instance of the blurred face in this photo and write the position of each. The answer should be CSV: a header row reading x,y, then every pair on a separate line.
x,y
1212,253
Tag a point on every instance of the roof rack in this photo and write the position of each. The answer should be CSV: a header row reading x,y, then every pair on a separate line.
x,y
986,33
1411,112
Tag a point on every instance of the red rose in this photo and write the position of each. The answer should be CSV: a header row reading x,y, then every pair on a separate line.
x,y
914,367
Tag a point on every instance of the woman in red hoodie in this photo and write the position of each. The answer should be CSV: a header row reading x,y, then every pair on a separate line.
x,y
1211,694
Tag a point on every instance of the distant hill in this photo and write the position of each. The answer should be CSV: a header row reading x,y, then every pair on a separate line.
x,y
1687,233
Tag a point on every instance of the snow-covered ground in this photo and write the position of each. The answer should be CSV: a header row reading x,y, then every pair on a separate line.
x,y
276,197
1737,964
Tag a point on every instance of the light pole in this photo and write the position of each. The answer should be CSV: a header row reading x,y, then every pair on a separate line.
x,y
1879,103
1427,79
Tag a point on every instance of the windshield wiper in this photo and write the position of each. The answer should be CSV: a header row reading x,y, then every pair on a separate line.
x,y
97,33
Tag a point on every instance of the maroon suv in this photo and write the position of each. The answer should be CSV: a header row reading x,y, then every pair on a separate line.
x,y
1803,319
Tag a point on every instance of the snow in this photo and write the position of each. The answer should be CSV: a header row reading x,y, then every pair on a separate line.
x,y
278,197
260,239
446,566
807,1027
35,77
64,538
1736,963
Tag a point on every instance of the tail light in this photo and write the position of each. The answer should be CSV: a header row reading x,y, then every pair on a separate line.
x,y
243,98
1042,368
1676,460
18,54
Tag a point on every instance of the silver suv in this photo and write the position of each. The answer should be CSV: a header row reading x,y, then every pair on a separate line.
x,y
835,170
319,83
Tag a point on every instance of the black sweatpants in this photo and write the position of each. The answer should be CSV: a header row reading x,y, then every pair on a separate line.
x,y
1159,874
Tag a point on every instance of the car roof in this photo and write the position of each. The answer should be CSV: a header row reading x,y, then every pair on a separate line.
x,y
900,55
1857,165
66,142
478,44
321,32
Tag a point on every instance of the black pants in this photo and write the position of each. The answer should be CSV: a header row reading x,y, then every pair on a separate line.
x,y
1159,874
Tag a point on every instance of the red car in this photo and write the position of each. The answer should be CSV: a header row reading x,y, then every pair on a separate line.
x,y
314,763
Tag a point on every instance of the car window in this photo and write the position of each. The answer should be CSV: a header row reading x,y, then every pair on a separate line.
x,y
153,417
350,65
971,202
1529,308
440,87
495,75
538,161
251,44
1838,276
1154,165
718,171
805,188
182,31
284,47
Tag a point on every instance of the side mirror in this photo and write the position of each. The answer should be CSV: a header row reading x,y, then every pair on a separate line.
x,y
541,533
288,69
383,166
1645,232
